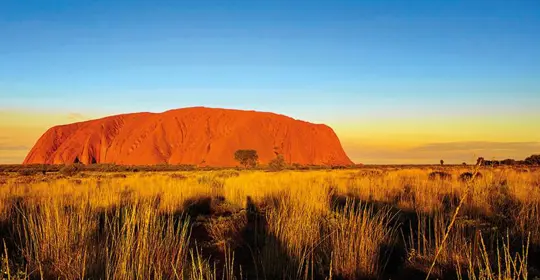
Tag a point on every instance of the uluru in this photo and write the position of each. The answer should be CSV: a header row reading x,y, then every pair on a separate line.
x,y
198,135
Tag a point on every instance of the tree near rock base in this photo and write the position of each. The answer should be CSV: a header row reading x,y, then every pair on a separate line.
x,y
247,158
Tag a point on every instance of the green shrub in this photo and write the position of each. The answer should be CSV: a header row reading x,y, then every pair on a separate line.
x,y
248,158
277,164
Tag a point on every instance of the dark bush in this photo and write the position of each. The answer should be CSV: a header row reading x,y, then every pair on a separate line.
x,y
468,176
338,167
533,160
277,164
248,158
480,161
27,172
492,163
508,161
440,175
70,170
298,166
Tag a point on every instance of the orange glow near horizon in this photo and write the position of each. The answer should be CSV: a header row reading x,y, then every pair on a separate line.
x,y
407,141
20,130
429,140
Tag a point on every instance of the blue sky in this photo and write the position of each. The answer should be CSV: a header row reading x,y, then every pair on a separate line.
x,y
339,62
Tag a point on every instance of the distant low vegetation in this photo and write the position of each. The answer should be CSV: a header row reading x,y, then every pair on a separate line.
x,y
246,158
31,169
277,164
532,160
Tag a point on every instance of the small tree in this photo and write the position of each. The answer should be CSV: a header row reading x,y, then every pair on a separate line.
x,y
533,160
277,164
442,162
508,161
247,158
480,161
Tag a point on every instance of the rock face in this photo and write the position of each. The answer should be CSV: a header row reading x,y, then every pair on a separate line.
x,y
200,136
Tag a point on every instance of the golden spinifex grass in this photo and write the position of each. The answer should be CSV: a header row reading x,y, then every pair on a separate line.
x,y
346,224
